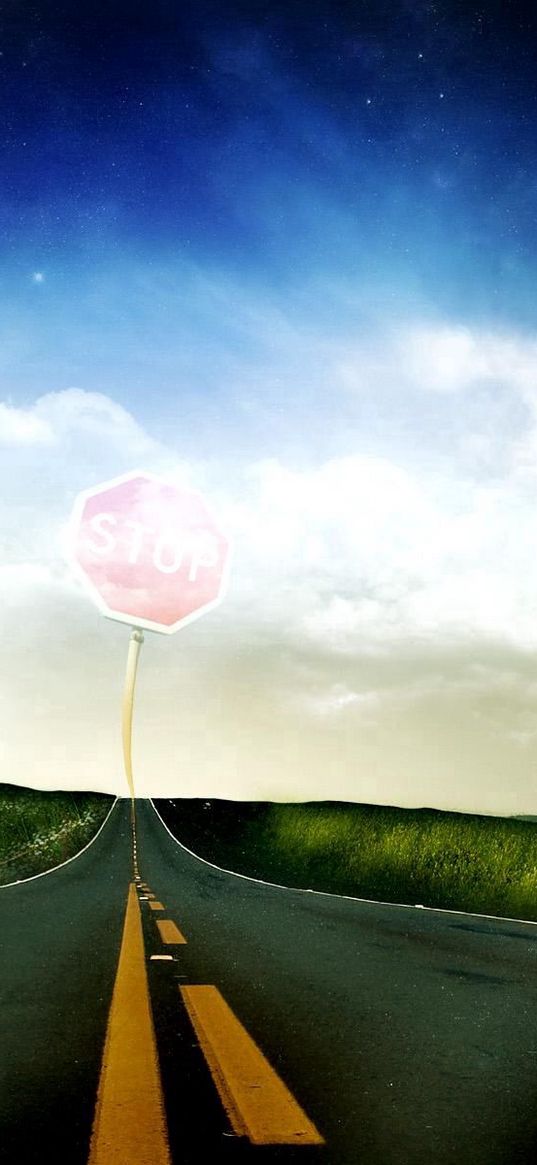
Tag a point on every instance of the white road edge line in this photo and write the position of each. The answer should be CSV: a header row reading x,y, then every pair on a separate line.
x,y
343,897
44,873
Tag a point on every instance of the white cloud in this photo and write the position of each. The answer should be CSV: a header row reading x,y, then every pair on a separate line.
x,y
446,359
452,358
15,576
92,415
23,427
73,413
339,698
360,553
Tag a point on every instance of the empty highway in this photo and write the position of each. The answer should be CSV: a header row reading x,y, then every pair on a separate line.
x,y
254,1023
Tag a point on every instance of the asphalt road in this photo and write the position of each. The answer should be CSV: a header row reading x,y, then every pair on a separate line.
x,y
407,1036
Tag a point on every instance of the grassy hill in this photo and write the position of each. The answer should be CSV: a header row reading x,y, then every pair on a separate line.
x,y
456,861
39,830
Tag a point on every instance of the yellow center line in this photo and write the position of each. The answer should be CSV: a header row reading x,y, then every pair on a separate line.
x,y
169,932
258,1103
130,1124
156,906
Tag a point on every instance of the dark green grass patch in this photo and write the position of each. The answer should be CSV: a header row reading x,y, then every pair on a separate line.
x,y
40,830
456,861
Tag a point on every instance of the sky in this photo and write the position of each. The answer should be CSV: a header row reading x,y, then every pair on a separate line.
x,y
284,254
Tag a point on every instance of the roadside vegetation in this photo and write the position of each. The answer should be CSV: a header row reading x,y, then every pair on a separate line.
x,y
456,861
40,830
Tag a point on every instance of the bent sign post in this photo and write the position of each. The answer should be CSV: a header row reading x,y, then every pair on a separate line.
x,y
152,555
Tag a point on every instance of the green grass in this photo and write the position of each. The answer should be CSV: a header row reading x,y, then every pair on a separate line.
x,y
39,830
450,860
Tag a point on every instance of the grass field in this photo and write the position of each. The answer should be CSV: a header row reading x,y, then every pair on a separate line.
x,y
482,864
40,830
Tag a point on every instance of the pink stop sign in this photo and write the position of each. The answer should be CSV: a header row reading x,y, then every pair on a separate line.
x,y
151,552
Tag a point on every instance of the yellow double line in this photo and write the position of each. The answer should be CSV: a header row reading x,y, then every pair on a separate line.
x,y
129,1123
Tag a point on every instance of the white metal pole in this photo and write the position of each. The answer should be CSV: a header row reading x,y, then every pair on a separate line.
x,y
135,642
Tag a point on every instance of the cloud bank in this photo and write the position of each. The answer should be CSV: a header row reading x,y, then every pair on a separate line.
x,y
377,642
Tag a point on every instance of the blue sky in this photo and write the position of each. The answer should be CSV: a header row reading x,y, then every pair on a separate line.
x,y
302,154
286,252
339,167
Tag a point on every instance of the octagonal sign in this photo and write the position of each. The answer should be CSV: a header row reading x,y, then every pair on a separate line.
x,y
150,552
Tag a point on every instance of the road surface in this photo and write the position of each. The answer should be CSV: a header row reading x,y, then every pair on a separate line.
x,y
400,1036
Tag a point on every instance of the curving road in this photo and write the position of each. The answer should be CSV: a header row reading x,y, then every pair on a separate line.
x,y
406,1036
